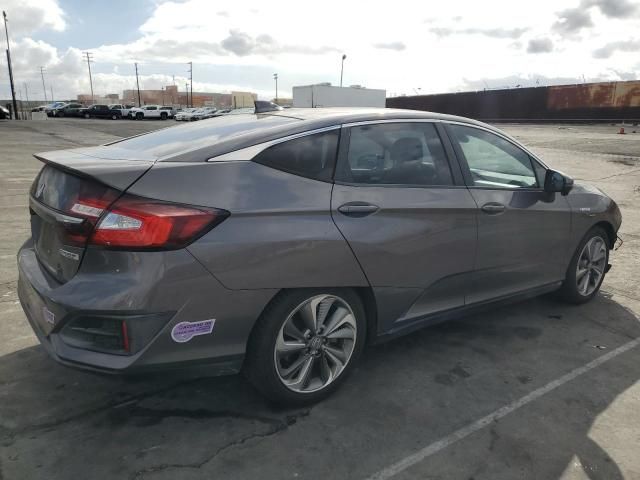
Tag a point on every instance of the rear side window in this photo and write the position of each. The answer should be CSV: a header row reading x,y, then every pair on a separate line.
x,y
395,154
311,156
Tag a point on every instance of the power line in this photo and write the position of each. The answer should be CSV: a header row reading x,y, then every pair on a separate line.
x,y
89,56
44,89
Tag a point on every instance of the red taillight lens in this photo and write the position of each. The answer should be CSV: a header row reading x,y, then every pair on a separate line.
x,y
141,223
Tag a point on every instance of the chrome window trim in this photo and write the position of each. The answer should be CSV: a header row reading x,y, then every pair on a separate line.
x,y
249,153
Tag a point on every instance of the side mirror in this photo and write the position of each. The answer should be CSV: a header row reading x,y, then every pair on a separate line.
x,y
557,182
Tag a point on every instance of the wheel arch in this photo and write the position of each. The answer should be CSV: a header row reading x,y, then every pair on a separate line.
x,y
611,233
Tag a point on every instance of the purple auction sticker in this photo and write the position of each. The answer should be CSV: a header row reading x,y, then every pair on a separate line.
x,y
185,331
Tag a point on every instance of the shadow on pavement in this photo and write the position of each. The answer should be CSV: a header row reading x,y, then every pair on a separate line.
x,y
58,423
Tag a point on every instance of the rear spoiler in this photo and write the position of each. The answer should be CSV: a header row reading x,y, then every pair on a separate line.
x,y
110,169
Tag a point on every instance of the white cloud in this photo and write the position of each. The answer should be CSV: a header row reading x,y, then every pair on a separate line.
x,y
27,16
242,45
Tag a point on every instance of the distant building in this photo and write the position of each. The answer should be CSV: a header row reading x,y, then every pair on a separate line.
x,y
243,99
87,99
170,95
326,95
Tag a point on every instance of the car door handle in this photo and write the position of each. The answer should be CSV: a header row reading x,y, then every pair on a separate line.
x,y
493,208
358,209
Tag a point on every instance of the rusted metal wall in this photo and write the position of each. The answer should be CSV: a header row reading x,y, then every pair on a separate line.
x,y
594,101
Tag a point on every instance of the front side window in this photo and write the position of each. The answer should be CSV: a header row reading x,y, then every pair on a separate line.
x,y
311,156
493,161
151,108
395,154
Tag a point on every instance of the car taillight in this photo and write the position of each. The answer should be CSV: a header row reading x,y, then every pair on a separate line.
x,y
140,223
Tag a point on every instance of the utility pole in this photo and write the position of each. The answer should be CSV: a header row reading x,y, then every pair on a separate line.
x,y
186,89
275,77
191,81
89,60
26,92
342,68
51,89
13,90
138,85
44,89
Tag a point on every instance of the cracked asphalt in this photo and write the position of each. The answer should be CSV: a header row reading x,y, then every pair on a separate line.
x,y
58,423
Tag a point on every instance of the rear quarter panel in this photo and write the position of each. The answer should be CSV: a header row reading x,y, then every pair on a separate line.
x,y
280,233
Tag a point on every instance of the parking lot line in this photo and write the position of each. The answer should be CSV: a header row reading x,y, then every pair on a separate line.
x,y
467,430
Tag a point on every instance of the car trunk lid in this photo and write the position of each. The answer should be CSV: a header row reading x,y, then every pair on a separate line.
x,y
69,195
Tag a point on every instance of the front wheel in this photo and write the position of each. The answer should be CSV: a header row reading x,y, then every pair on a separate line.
x,y
588,268
305,344
139,116
114,117
163,116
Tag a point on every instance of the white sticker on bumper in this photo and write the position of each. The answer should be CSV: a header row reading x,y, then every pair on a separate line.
x,y
185,331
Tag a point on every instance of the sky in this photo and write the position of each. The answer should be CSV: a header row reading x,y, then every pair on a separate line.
x,y
404,47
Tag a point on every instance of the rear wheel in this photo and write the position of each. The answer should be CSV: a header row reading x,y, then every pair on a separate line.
x,y
86,115
305,344
588,267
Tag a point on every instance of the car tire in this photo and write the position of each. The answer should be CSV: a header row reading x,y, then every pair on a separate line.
x,y
60,114
587,268
163,116
139,116
114,116
292,374
86,115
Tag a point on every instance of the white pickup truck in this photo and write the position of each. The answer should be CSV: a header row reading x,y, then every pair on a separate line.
x,y
124,109
151,111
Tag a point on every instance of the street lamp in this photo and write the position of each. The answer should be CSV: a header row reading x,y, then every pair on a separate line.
x,y
342,68
275,77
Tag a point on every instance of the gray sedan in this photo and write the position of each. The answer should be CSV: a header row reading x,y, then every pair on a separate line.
x,y
280,244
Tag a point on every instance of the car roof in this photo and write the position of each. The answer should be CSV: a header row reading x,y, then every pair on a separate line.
x,y
197,142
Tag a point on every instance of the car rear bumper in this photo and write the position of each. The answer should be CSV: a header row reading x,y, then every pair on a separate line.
x,y
170,288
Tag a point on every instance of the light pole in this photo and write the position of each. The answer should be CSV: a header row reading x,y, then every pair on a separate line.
x,y
275,77
44,89
13,90
191,80
342,68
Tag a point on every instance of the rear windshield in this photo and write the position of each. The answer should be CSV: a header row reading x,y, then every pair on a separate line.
x,y
173,140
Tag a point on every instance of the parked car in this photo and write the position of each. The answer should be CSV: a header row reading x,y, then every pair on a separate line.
x,y
124,109
151,111
40,108
295,238
5,114
203,113
68,110
183,115
52,107
100,111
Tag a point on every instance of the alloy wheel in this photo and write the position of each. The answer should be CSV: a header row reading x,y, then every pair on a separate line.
x,y
591,266
315,343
